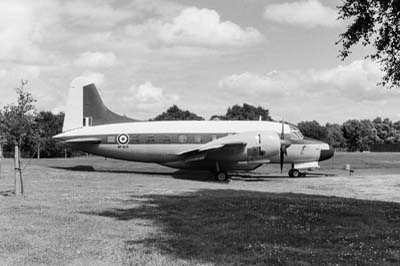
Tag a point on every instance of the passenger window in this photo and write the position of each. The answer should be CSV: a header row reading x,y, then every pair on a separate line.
x,y
182,139
167,139
135,139
197,139
150,139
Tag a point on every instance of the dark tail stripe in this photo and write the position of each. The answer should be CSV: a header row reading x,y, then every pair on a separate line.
x,y
94,107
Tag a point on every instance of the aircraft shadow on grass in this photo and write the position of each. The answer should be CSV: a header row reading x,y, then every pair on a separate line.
x,y
178,174
230,227
202,176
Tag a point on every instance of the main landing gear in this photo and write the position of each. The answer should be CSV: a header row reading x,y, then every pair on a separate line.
x,y
296,173
220,175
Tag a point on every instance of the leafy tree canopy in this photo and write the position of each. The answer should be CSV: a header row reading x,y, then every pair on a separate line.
x,y
174,113
312,129
244,112
376,23
16,120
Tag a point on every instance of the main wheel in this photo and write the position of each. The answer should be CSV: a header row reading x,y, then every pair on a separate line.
x,y
221,176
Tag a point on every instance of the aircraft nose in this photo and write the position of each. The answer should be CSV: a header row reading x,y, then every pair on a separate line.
x,y
327,154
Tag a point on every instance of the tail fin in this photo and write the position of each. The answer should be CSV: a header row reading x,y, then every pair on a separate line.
x,y
86,108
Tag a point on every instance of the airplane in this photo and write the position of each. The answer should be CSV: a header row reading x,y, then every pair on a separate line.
x,y
222,147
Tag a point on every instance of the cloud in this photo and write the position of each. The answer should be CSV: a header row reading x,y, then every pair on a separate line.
x,y
148,93
274,83
203,27
196,29
22,29
95,14
95,60
87,78
148,99
339,90
357,80
308,14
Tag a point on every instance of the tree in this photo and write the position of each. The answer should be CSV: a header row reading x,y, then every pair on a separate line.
x,y
245,112
15,125
334,136
47,125
174,113
359,134
312,129
376,22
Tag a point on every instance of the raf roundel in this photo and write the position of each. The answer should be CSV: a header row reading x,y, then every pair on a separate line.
x,y
123,139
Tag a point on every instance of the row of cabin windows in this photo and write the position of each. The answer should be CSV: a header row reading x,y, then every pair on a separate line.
x,y
137,139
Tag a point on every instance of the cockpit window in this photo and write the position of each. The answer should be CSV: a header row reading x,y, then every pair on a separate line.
x,y
295,133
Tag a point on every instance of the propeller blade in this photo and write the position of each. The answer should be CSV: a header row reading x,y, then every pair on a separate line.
x,y
283,130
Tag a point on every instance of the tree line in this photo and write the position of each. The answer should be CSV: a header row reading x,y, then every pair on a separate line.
x,y
352,135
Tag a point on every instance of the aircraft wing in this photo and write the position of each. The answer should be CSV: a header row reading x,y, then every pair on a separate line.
x,y
201,153
84,141
214,147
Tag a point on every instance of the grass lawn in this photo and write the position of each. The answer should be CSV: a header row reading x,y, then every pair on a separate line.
x,y
137,214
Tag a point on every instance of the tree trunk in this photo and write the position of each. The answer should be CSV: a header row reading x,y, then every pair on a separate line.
x,y
19,185
38,151
1,156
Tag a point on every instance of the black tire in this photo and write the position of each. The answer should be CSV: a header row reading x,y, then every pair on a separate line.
x,y
290,173
221,176
295,173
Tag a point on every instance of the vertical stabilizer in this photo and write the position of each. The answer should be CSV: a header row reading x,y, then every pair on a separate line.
x,y
86,108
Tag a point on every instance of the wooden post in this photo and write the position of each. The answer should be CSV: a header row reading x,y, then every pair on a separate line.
x,y
18,184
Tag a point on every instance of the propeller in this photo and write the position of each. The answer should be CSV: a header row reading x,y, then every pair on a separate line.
x,y
285,143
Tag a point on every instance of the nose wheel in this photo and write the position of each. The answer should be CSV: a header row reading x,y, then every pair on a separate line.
x,y
296,173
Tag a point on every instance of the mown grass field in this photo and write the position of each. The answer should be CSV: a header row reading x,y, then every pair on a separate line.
x,y
106,212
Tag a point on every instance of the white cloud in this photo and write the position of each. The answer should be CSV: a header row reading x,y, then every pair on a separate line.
x,y
194,30
308,13
338,91
357,80
87,78
95,60
22,29
274,83
203,27
148,93
95,14
148,99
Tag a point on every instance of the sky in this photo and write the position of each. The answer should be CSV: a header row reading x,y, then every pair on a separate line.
x,y
204,56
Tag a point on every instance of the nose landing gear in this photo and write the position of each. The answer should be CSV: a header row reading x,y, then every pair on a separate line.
x,y
296,173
